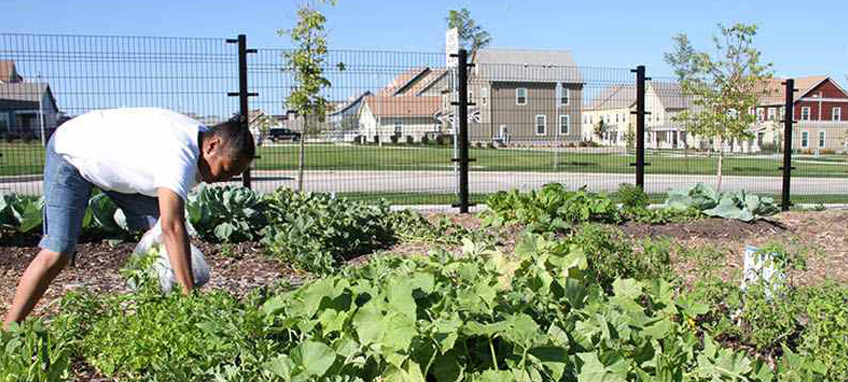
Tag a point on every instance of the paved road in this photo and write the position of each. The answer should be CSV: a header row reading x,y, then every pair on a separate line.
x,y
486,182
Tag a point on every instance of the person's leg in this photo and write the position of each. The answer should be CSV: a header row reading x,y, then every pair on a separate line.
x,y
66,197
34,282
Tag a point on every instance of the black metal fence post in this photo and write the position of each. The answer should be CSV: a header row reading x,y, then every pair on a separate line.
x,y
640,125
462,116
788,121
243,94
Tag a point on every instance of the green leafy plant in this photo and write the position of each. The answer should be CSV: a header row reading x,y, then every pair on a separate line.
x,y
552,208
317,232
32,353
409,225
23,213
631,196
226,214
107,217
149,337
738,205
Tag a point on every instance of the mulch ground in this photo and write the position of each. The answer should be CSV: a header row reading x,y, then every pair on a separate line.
x,y
821,236
237,268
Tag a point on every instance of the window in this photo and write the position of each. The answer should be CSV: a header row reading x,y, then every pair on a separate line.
x,y
563,100
760,114
470,96
4,123
564,124
805,139
772,113
398,127
805,113
616,118
821,139
521,96
541,124
484,96
837,114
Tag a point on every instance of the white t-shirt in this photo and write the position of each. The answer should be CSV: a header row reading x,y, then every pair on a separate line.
x,y
133,150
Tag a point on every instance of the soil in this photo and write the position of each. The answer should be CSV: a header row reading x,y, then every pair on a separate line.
x,y
237,268
820,237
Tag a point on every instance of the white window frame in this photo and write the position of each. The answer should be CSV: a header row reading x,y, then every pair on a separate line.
x,y
807,116
565,95
518,97
484,96
567,124
822,139
805,139
544,124
470,96
503,132
772,113
761,114
836,114
398,127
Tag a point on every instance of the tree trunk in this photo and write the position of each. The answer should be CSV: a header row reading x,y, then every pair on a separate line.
x,y
301,157
720,163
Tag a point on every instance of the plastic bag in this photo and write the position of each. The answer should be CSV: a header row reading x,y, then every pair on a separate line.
x,y
759,268
162,266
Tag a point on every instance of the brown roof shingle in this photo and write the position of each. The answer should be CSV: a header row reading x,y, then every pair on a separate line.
x,y
383,106
7,71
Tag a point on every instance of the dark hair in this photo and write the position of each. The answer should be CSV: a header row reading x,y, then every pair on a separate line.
x,y
237,141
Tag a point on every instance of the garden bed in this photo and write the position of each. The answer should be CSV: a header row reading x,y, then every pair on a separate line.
x,y
241,267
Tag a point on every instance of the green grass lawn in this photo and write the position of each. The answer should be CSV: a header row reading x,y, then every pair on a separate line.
x,y
28,159
479,199
333,157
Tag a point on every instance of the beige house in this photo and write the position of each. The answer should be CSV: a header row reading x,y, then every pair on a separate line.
x,y
525,96
609,118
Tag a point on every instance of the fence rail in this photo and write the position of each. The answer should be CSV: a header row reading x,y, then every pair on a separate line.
x,y
533,117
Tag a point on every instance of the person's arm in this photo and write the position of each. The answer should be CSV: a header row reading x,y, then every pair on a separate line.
x,y
175,236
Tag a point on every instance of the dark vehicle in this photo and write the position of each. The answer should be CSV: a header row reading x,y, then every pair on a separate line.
x,y
283,134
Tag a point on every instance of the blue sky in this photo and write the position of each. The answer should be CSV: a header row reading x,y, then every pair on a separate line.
x,y
800,38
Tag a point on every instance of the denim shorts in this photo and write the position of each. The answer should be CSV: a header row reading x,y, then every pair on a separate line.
x,y
66,195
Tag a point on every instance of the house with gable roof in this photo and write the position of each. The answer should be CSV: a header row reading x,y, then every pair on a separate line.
x,y
533,96
410,107
25,107
819,108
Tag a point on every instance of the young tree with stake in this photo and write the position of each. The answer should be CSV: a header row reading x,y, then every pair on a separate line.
x,y
306,61
725,86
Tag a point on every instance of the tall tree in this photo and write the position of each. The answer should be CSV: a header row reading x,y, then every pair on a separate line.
x,y
471,36
725,86
306,61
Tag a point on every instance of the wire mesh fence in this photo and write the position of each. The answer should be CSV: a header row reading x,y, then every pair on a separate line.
x,y
391,123
383,134
47,79
537,118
